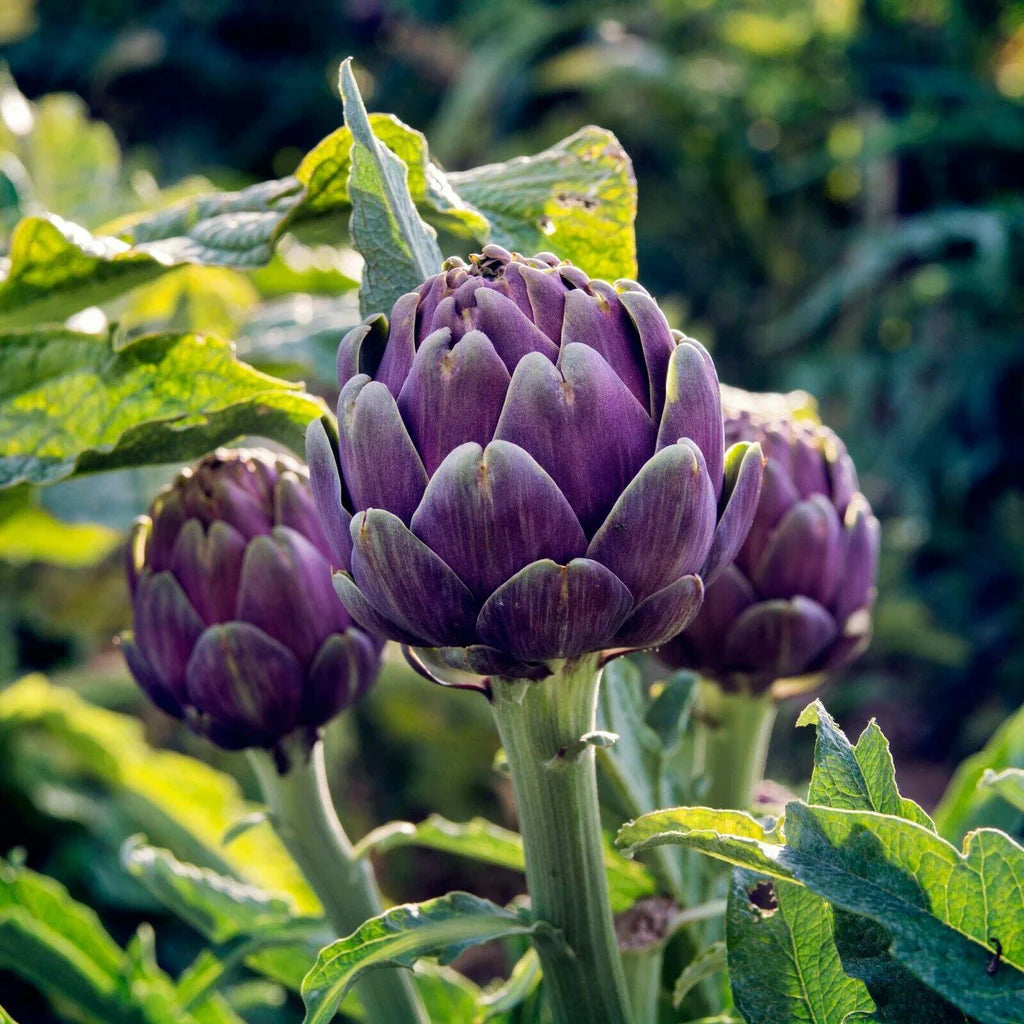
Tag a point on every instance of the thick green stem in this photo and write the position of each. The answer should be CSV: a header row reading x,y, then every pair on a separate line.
x,y
542,725
303,815
732,744
643,981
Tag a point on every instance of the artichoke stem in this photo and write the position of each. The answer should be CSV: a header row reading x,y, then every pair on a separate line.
x,y
555,783
731,744
303,815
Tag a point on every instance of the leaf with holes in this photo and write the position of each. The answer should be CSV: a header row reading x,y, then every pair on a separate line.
x,y
783,964
577,199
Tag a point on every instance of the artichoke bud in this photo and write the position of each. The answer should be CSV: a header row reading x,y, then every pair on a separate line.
x,y
796,601
238,630
555,469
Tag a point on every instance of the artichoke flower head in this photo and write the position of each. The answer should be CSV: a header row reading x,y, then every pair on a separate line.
x,y
529,466
797,600
237,627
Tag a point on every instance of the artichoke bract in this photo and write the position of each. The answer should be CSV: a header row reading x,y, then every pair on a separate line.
x,y
530,465
797,600
238,629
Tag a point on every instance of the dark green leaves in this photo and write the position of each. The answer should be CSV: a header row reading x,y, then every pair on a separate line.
x,y
870,853
783,964
72,402
440,928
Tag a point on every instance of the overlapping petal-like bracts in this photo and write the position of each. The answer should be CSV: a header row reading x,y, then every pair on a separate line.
x,y
529,466
797,600
238,629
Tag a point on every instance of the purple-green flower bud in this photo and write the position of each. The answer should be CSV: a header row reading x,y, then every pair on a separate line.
x,y
530,467
796,602
238,629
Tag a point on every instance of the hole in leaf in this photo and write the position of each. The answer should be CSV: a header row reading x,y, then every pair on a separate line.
x,y
763,898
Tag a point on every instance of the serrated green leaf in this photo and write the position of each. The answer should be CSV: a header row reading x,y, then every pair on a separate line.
x,y
732,836
576,199
864,778
783,964
860,777
441,928
230,229
1009,784
219,907
71,402
482,840
965,804
706,964
942,908
522,982
29,533
400,250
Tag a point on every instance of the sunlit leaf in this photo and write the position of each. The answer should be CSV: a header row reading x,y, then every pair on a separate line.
x,y
576,199
54,742
71,402
441,928
522,982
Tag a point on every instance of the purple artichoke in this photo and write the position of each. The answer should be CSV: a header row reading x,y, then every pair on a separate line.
x,y
237,626
797,600
530,467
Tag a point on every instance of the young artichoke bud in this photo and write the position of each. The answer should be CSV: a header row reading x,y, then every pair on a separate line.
x,y
238,629
797,600
554,468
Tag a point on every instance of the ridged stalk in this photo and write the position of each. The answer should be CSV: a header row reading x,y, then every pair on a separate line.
x,y
542,725
733,730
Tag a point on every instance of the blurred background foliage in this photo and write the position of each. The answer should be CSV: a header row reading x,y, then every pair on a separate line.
x,y
831,197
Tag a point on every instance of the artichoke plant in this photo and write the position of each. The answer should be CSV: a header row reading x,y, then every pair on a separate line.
x,y
797,600
238,629
530,465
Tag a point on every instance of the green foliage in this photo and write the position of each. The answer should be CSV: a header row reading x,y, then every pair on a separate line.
x,y
29,533
73,402
576,199
62,948
441,928
81,762
57,267
706,964
488,843
968,803
942,909
399,249
783,962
